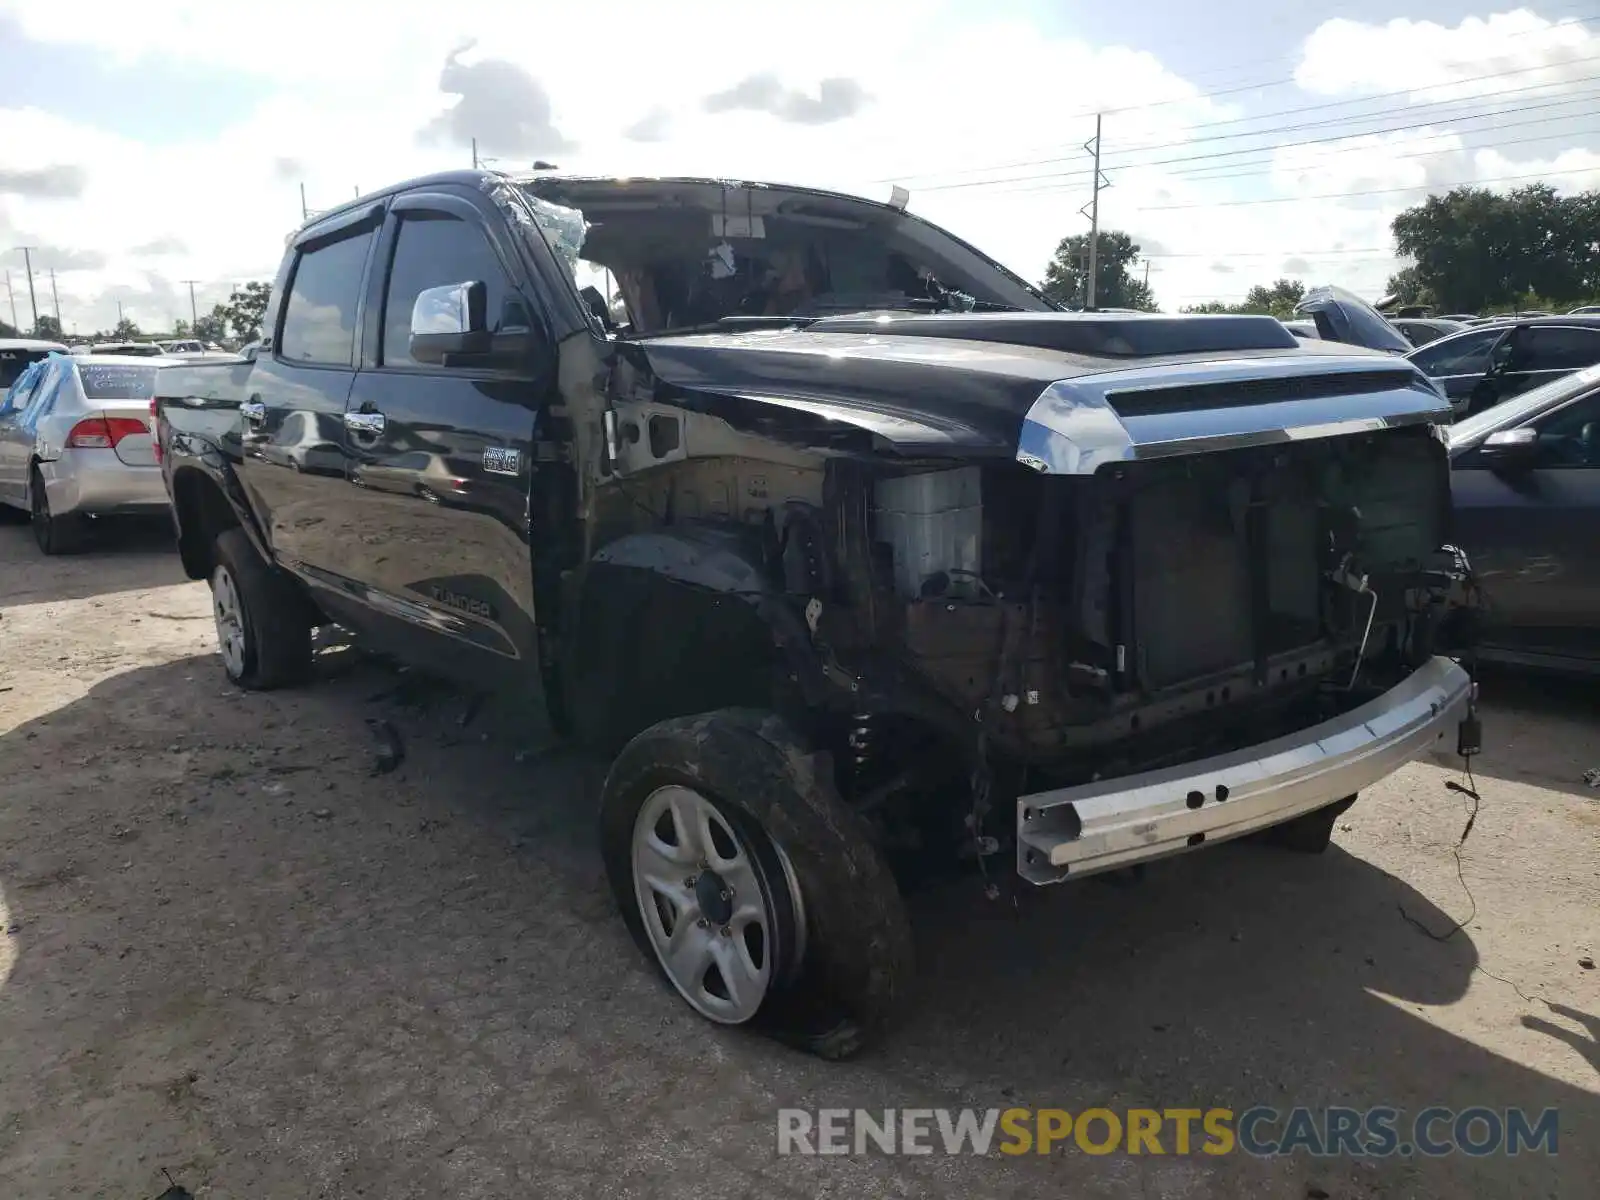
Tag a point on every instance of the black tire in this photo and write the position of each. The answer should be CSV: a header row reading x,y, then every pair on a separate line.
x,y
276,643
63,534
848,986
1309,833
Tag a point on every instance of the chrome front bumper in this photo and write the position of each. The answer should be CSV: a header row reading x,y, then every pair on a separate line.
x,y
1119,822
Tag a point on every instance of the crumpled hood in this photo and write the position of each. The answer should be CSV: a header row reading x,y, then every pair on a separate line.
x,y
912,392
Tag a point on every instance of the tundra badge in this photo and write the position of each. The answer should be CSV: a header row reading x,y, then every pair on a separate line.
x,y
502,460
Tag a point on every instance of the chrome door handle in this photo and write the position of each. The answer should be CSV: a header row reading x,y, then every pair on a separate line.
x,y
364,422
253,411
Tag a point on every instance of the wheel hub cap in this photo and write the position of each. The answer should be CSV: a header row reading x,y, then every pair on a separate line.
x,y
702,903
230,622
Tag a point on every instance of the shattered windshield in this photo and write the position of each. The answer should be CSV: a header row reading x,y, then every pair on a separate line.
x,y
659,256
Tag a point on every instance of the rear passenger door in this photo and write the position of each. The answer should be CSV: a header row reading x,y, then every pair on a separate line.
x,y
297,395
443,456
1540,353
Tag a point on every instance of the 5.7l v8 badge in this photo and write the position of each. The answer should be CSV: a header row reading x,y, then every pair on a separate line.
x,y
502,460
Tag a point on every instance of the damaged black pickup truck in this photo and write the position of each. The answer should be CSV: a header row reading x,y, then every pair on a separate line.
x,y
860,556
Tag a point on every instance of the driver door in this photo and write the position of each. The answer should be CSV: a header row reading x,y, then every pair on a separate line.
x,y
1533,532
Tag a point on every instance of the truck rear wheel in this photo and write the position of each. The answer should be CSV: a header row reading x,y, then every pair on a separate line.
x,y
755,891
1309,833
262,632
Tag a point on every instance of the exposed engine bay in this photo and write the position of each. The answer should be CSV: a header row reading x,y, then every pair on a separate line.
x,y
1088,625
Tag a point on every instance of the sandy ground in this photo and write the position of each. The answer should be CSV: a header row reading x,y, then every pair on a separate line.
x,y
233,952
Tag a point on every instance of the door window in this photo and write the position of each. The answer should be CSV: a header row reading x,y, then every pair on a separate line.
x,y
319,317
1558,348
1464,355
433,250
1570,436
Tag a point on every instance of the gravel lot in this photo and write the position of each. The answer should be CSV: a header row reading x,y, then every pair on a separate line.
x,y
233,952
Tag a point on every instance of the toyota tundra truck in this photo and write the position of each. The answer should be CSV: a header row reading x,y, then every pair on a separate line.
x,y
857,555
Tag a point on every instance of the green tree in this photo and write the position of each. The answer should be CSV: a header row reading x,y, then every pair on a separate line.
x,y
1407,287
1066,276
1476,249
125,329
246,309
1277,299
48,327
180,329
213,326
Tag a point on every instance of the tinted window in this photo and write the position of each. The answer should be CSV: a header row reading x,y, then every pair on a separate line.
x,y
111,381
433,250
1465,355
1570,437
319,317
14,362
1557,348
1514,413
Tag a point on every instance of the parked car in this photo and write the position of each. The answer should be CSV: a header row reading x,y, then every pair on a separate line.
x,y
183,346
1526,478
75,444
1584,310
1463,318
1304,330
1481,366
858,553
1342,316
18,354
136,349
1419,331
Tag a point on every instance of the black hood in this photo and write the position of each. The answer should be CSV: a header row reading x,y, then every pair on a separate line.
x,y
929,384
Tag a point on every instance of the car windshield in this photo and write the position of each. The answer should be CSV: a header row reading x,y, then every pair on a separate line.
x,y
113,381
1504,416
657,256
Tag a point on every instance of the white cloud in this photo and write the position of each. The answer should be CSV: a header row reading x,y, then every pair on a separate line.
x,y
1447,63
934,90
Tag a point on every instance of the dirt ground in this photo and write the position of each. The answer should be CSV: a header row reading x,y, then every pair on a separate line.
x,y
232,951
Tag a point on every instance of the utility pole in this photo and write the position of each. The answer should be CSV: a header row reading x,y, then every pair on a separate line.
x,y
12,292
55,300
194,313
33,301
304,211
119,313
1100,181
474,154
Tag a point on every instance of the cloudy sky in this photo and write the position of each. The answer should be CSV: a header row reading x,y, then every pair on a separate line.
x,y
151,144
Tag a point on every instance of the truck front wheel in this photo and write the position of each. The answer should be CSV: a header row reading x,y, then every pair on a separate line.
x,y
1309,833
262,633
751,886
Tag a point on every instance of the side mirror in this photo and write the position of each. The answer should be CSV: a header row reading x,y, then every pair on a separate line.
x,y
448,322
1511,449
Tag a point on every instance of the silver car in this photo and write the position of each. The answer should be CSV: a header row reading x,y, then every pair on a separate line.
x,y
75,443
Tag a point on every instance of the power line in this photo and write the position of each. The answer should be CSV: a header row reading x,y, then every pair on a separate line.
x,y
1337,195
1375,250
1229,172
1345,134
1273,116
